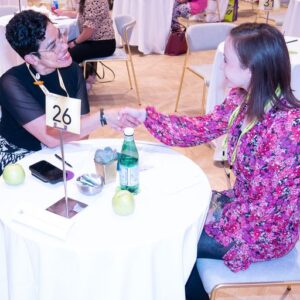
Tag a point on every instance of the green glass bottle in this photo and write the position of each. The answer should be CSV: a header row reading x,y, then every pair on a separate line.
x,y
129,163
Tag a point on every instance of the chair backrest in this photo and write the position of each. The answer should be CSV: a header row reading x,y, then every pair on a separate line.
x,y
125,25
207,36
8,10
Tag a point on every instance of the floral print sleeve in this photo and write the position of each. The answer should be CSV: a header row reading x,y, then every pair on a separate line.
x,y
263,218
185,131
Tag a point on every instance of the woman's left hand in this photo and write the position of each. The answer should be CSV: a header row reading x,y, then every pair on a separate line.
x,y
71,44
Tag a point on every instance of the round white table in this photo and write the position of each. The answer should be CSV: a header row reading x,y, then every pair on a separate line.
x,y
153,22
291,23
97,254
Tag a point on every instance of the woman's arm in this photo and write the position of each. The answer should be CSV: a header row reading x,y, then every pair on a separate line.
x,y
89,122
68,13
86,33
29,113
185,131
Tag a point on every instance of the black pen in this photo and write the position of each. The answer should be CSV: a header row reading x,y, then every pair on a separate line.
x,y
291,41
57,156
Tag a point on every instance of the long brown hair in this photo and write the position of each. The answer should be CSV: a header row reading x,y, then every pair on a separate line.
x,y
262,49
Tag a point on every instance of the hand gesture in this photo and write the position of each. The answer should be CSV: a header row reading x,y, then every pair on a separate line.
x,y
133,116
127,117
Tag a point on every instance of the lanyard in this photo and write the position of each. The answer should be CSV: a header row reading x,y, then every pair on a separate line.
x,y
249,126
41,83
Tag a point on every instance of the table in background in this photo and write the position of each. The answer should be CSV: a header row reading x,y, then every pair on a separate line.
x,y
147,255
9,58
291,23
13,2
153,22
217,90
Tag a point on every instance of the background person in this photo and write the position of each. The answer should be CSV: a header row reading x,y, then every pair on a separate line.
x,y
186,8
96,38
258,219
23,123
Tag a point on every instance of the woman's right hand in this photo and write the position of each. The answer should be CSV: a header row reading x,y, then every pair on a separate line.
x,y
135,116
66,13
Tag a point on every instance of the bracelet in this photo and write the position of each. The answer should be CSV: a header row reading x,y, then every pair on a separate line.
x,y
102,118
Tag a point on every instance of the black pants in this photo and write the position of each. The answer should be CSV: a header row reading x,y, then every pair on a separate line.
x,y
92,49
207,248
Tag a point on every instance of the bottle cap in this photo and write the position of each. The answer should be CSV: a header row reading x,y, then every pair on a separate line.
x,y
128,131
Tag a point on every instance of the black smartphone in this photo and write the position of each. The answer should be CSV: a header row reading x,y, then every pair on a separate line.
x,y
46,172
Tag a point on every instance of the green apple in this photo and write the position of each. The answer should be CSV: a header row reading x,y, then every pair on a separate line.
x,y
123,203
13,174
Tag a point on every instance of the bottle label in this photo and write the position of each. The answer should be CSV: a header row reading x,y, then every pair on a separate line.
x,y
129,176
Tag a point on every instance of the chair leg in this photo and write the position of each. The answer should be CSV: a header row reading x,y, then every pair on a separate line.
x,y
218,11
128,72
84,69
203,98
135,83
268,13
181,81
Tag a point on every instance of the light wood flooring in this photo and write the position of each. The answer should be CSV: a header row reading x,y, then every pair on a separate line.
x,y
158,79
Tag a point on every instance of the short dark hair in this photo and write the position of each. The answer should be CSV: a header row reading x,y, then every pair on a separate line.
x,y
262,48
26,30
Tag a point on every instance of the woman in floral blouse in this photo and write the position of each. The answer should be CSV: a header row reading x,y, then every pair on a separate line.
x,y
97,37
258,219
186,8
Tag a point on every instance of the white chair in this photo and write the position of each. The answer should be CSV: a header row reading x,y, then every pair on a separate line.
x,y
284,271
124,25
201,37
8,10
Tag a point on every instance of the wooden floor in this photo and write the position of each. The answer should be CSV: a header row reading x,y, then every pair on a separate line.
x,y
158,79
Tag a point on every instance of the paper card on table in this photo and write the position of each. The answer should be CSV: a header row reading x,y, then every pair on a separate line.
x,y
63,112
44,221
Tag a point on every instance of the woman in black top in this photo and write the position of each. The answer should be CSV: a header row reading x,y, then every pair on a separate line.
x,y
23,124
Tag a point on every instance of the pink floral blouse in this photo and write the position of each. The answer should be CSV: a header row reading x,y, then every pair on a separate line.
x,y
262,219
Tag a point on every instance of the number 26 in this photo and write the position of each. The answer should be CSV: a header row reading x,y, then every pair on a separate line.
x,y
66,118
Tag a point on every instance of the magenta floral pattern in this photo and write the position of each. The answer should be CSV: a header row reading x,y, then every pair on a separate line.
x,y
262,220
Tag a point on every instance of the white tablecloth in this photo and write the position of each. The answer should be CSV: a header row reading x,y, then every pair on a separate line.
x,y
9,58
153,22
148,255
217,90
291,23
13,2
